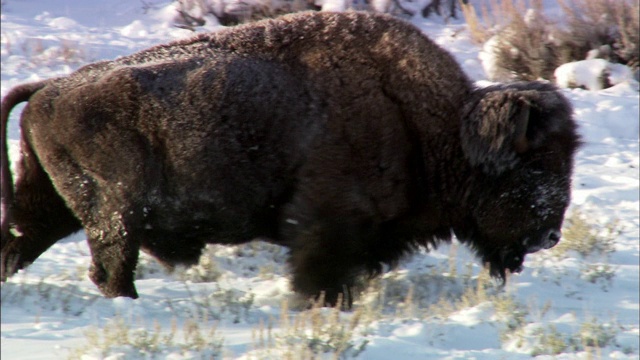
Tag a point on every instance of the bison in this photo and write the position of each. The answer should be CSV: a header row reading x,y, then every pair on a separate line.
x,y
350,138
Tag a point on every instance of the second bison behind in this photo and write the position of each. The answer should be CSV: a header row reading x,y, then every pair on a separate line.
x,y
350,138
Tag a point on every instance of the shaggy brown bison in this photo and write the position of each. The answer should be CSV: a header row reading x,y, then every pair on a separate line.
x,y
350,138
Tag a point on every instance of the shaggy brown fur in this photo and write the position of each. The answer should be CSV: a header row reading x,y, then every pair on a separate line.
x,y
350,138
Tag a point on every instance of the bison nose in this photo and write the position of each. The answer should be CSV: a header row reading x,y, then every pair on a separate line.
x,y
551,239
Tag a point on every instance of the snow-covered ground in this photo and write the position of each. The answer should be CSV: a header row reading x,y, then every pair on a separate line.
x,y
583,303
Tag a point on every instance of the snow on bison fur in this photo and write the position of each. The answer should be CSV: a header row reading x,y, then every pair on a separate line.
x,y
350,138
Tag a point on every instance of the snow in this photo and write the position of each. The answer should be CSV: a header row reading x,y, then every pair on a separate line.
x,y
435,306
592,74
332,5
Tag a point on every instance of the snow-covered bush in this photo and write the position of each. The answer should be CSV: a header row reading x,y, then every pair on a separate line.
x,y
592,74
607,29
522,43
194,13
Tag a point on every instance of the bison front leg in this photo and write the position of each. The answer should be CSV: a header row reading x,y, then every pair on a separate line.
x,y
316,276
114,253
326,259
19,252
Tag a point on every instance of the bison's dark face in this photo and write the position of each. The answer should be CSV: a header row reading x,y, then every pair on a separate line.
x,y
522,150
519,213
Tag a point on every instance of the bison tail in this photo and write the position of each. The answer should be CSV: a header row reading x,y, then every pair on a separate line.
x,y
15,96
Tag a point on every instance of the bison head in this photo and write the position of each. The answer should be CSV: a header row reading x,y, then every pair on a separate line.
x,y
520,140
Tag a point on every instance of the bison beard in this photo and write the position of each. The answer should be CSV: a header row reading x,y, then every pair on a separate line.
x,y
350,138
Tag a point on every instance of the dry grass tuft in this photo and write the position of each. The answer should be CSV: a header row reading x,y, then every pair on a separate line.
x,y
119,339
314,333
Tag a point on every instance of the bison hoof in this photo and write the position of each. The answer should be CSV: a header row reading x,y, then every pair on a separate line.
x,y
9,265
112,286
108,292
333,298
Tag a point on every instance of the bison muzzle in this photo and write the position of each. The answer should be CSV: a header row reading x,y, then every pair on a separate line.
x,y
350,138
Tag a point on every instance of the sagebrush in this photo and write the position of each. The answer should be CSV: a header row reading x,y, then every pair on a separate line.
x,y
527,44
193,13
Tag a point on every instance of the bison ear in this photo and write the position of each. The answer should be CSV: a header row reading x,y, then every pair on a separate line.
x,y
494,132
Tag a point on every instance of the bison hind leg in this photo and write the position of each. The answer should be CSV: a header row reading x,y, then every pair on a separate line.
x,y
36,219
